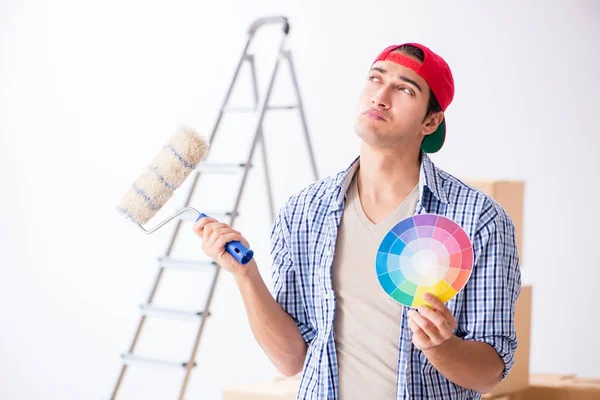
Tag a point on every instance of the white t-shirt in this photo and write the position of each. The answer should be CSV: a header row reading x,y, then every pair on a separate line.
x,y
367,321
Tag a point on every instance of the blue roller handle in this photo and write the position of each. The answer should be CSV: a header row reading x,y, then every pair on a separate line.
x,y
241,253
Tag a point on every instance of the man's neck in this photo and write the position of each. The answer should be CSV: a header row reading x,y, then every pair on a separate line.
x,y
385,178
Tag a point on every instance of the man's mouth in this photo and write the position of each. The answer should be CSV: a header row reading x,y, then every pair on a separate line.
x,y
374,114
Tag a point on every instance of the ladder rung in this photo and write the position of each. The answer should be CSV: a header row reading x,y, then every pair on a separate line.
x,y
221,168
283,107
254,109
195,265
221,216
240,109
152,311
131,359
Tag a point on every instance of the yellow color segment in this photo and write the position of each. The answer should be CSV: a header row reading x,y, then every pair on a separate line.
x,y
441,290
440,287
448,294
421,290
418,301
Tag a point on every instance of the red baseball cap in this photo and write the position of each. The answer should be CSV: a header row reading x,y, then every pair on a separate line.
x,y
436,72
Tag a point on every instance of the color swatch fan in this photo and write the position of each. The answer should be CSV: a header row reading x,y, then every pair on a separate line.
x,y
421,254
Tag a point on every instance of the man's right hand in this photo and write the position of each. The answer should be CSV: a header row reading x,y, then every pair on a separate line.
x,y
214,236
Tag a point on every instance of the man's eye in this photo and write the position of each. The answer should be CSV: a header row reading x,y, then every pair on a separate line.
x,y
373,78
406,90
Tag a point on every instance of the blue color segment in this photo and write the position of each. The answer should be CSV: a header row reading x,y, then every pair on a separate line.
x,y
381,263
398,247
403,226
387,242
386,283
393,262
397,277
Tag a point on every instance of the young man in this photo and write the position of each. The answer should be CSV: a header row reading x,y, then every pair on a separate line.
x,y
330,319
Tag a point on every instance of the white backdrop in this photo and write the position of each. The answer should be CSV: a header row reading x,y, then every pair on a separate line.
x,y
89,91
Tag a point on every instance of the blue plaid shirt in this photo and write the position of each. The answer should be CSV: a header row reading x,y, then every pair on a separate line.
x,y
302,247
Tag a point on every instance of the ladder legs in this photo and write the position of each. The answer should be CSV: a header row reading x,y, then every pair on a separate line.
x,y
267,177
313,163
217,123
263,146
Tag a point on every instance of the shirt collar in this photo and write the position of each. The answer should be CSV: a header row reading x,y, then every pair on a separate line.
x,y
429,178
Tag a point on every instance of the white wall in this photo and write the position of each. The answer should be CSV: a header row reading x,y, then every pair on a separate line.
x,y
89,91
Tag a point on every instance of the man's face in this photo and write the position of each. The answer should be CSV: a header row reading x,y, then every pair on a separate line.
x,y
392,106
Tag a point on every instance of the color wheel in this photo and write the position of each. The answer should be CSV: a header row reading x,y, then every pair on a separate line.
x,y
421,254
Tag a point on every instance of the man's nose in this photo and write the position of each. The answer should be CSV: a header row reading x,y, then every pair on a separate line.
x,y
381,98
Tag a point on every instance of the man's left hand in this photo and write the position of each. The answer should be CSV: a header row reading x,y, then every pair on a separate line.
x,y
431,326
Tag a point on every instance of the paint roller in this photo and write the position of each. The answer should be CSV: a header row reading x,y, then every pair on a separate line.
x,y
167,171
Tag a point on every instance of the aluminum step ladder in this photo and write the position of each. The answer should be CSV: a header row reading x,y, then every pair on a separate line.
x,y
261,106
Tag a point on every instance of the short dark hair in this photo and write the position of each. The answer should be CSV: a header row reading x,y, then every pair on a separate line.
x,y
434,105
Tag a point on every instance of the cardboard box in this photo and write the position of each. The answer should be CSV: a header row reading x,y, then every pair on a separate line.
x,y
562,387
280,389
518,379
512,396
280,377
510,195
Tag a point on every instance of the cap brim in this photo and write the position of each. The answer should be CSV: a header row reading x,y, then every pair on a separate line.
x,y
434,141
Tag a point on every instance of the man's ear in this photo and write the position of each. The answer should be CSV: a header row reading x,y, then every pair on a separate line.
x,y
432,122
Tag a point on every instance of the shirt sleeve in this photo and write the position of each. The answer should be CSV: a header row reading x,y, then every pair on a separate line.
x,y
493,289
286,285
